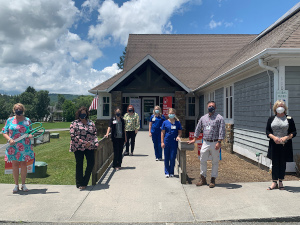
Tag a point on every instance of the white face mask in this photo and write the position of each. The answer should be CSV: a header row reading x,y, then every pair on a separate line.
x,y
280,110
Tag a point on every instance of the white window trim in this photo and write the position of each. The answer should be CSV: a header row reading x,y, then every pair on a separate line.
x,y
100,106
231,120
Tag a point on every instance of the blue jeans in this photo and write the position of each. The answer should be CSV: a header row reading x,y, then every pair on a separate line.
x,y
156,138
170,152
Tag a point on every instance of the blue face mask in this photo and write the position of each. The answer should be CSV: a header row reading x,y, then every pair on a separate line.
x,y
211,109
157,111
82,116
171,116
118,114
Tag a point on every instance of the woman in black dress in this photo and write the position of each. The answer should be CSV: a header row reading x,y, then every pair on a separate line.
x,y
118,137
280,129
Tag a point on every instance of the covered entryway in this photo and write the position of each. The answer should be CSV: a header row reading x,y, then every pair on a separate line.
x,y
148,105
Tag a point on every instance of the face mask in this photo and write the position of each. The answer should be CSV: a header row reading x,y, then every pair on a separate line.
x,y
211,109
130,110
280,110
118,114
171,116
157,111
18,112
82,116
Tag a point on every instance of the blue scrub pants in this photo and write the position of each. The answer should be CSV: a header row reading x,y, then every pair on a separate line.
x,y
170,152
156,138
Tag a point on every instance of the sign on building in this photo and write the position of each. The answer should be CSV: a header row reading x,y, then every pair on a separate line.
x,y
283,95
167,103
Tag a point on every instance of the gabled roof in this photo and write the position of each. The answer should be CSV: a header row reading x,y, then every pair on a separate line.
x,y
191,58
284,34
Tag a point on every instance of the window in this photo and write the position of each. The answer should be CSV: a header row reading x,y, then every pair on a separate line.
x,y
125,104
228,102
173,102
161,99
191,106
105,106
211,96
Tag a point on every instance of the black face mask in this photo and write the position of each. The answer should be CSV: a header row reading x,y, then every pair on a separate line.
x,y
82,116
18,112
118,114
211,109
130,110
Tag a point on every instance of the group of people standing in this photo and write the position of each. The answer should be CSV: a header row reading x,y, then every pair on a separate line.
x,y
165,135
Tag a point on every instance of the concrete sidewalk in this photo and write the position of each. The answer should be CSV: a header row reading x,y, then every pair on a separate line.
x,y
139,192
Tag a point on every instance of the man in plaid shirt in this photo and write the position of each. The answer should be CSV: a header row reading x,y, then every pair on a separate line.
x,y
213,127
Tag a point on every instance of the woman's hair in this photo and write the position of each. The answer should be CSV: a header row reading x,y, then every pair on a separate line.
x,y
277,103
20,105
82,108
130,106
116,109
174,111
158,107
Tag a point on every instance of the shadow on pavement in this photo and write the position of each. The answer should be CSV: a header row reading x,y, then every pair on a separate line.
x,y
138,155
36,191
229,186
128,168
292,189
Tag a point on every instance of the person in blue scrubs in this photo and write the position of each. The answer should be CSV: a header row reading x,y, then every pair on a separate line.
x,y
171,132
156,120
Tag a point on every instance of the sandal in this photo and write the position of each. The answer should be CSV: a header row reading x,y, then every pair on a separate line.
x,y
16,189
282,187
276,187
24,188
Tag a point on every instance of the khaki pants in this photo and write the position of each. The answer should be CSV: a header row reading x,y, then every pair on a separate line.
x,y
208,148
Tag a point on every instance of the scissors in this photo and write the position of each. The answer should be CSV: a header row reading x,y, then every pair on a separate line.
x,y
30,130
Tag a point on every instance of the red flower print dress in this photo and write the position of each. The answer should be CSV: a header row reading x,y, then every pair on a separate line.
x,y
22,150
81,134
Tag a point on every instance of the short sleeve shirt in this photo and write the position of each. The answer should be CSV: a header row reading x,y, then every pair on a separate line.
x,y
171,131
157,122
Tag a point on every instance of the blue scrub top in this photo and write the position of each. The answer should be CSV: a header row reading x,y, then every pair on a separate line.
x,y
171,134
156,123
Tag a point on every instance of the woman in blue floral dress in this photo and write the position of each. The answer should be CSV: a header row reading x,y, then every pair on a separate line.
x,y
21,152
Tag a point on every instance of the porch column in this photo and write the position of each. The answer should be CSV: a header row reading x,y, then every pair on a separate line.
x,y
180,106
116,101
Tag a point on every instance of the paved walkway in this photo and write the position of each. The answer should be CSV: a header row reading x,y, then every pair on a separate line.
x,y
141,193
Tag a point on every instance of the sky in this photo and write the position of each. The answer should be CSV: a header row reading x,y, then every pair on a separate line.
x,y
69,47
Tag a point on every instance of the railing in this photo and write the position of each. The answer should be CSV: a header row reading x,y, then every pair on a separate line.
x,y
181,159
104,155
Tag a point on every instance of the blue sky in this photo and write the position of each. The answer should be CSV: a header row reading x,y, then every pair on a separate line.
x,y
71,46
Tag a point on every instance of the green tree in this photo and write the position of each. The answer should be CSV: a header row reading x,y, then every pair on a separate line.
x,y
83,100
122,59
30,89
68,110
60,102
42,103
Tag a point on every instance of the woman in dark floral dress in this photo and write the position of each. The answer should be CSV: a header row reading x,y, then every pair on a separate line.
x,y
83,142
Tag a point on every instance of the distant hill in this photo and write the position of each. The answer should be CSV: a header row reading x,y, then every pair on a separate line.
x,y
53,97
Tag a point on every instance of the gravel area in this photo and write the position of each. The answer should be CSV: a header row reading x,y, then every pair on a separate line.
x,y
232,169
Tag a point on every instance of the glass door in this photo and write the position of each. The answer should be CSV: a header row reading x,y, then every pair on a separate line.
x,y
148,106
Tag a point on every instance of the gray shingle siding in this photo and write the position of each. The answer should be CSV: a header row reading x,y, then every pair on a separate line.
x,y
201,106
292,84
251,112
219,98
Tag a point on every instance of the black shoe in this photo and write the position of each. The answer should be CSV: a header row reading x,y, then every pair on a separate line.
x,y
126,153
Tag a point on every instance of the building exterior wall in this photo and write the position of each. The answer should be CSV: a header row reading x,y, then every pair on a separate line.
x,y
292,84
219,99
180,105
251,110
201,106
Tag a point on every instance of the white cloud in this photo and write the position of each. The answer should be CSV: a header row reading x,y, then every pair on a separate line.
x,y
38,49
136,16
213,24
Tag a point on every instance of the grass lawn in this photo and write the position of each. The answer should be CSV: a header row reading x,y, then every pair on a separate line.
x,y
61,163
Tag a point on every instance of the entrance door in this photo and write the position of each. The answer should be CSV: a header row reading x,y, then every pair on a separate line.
x,y
148,106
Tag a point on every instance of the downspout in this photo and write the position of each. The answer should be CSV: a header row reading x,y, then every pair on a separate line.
x,y
275,72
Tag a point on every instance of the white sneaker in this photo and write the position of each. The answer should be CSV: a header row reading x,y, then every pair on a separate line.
x,y
156,159
171,175
167,176
24,188
16,189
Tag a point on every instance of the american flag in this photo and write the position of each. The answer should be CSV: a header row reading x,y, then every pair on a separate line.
x,y
94,104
